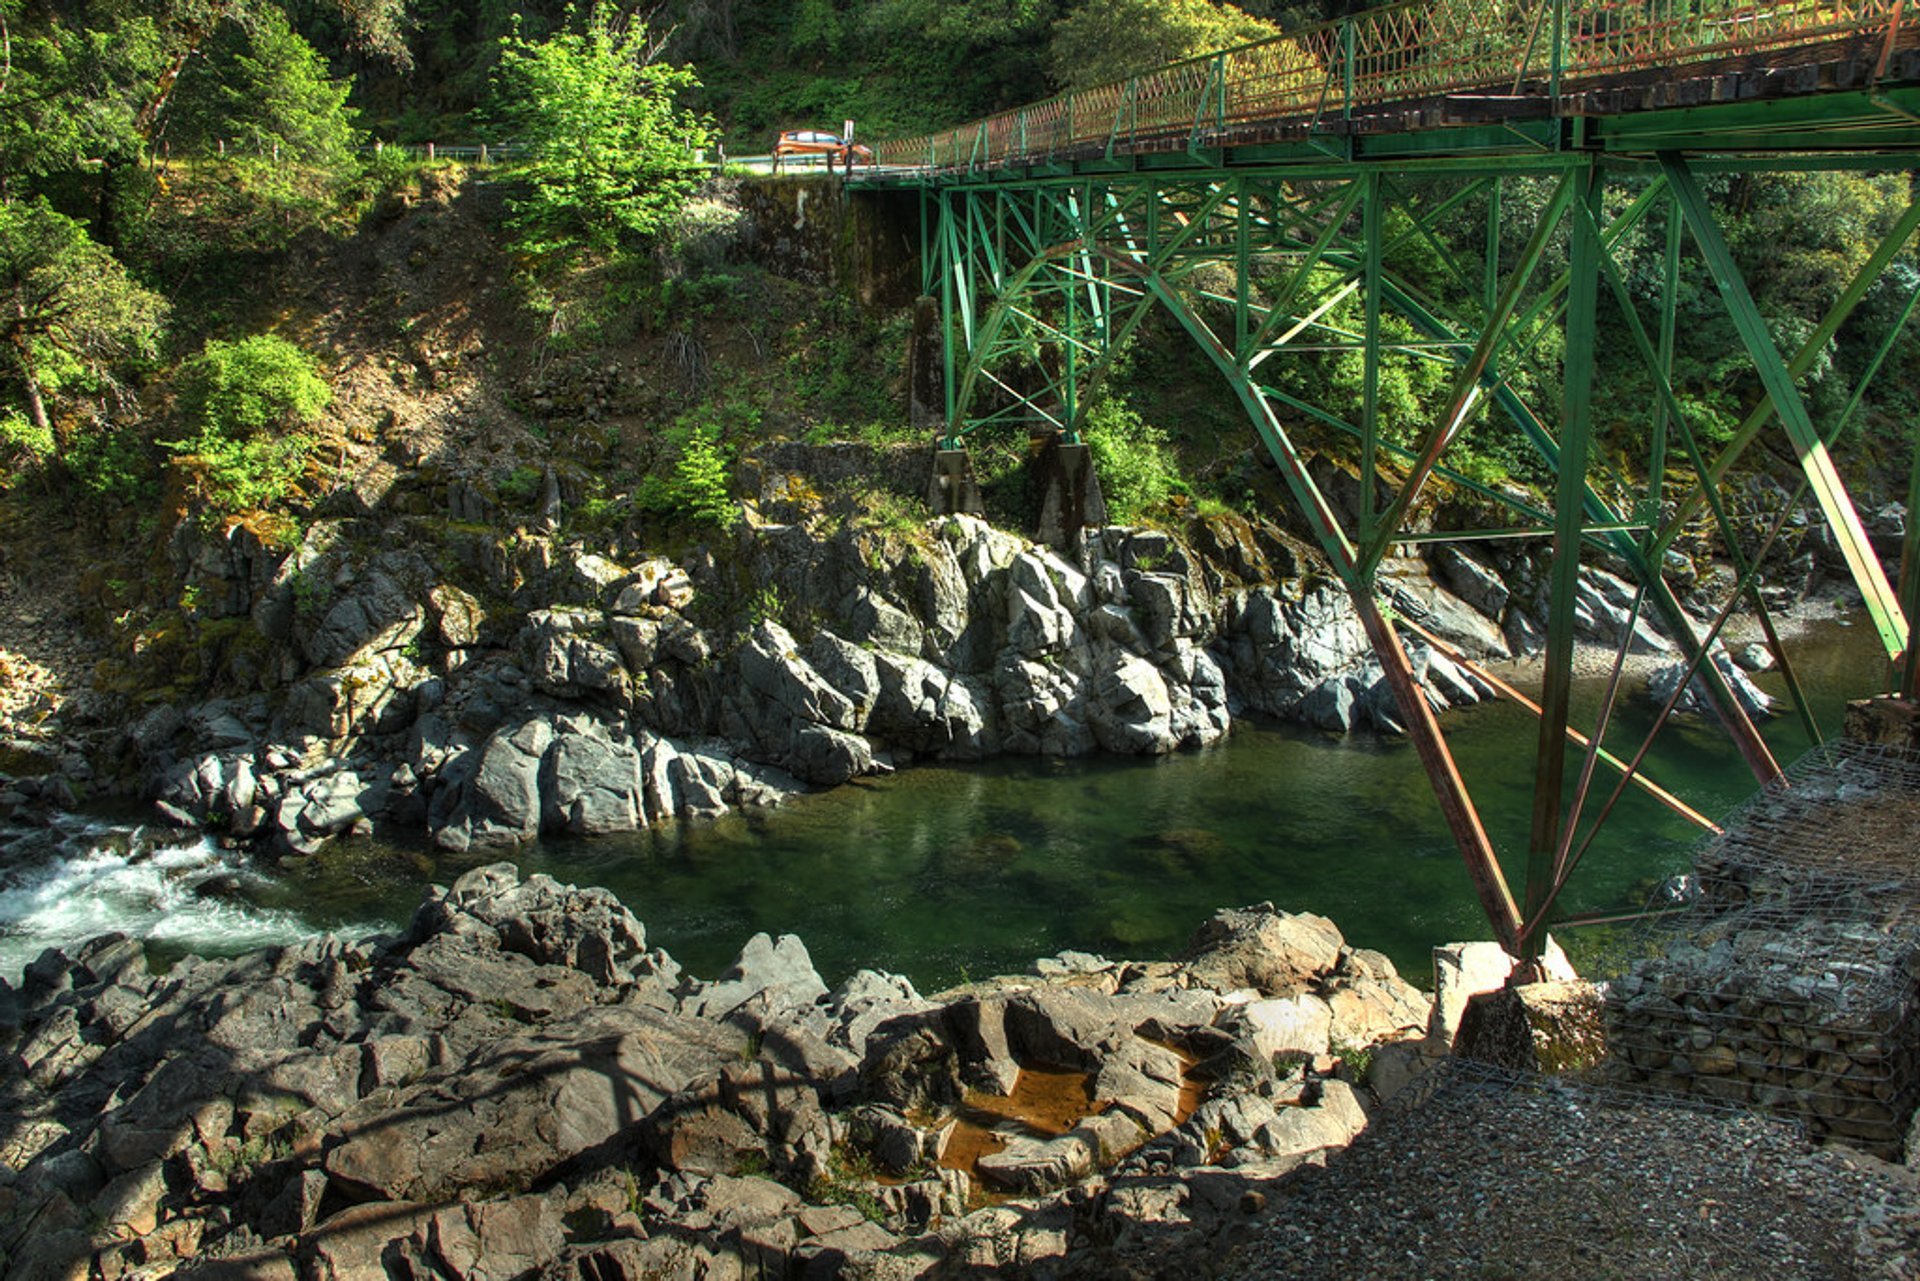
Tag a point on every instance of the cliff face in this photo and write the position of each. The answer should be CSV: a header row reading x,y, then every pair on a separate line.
x,y
422,673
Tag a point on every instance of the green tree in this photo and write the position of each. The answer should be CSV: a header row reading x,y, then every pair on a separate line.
x,y
609,153
249,404
68,309
266,90
1107,40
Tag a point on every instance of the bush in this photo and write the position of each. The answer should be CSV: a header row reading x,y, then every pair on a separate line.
x,y
248,402
18,435
698,482
252,387
1136,470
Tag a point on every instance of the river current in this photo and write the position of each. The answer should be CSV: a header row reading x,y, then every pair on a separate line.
x,y
948,872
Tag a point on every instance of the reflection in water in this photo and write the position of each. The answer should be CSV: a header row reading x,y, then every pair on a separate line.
x,y
947,872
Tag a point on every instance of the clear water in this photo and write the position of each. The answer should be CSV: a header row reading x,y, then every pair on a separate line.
x,y
947,872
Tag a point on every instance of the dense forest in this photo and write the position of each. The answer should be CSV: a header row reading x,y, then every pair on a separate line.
x,y
158,162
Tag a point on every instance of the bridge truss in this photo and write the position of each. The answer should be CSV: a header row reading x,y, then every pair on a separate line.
x,y
1287,201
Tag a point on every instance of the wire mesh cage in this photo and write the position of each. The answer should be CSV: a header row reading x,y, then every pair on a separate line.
x,y
1791,981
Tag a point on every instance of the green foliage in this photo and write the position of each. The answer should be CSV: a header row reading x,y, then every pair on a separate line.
x,y
247,403
263,89
610,155
702,480
1137,471
113,466
1106,40
68,309
259,385
519,487
21,436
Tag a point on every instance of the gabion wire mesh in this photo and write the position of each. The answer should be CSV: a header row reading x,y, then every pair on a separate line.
x,y
1789,982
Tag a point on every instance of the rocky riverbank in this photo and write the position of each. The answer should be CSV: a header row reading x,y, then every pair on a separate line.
x,y
418,673
517,1083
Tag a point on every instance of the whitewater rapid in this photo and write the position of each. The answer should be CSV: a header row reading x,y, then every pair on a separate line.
x,y
83,877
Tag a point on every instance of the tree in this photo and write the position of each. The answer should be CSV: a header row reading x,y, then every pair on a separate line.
x,y
1107,40
608,152
266,89
67,307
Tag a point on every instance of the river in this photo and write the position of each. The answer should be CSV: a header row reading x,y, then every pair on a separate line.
x,y
949,872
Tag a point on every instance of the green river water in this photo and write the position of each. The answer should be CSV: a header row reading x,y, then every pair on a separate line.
x,y
943,873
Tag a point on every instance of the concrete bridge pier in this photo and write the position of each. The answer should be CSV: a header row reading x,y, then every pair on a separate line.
x,y
1069,491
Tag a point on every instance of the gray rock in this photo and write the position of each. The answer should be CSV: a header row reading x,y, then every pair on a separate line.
x,y
1128,708
1277,953
373,612
524,1104
593,786
1696,699
780,975
772,668
1472,581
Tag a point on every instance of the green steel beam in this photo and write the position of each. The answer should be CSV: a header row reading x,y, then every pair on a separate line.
x,y
1883,605
1373,230
1843,307
1576,433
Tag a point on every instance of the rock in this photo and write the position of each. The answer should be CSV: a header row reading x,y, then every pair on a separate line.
x,y
1543,1027
588,930
827,757
499,803
928,710
777,977
494,1240
1366,1011
593,786
1034,1166
772,668
458,617
1472,581
1128,708
368,612
524,1104
1329,706
358,1243
1296,1025
1276,953
1463,970
1752,699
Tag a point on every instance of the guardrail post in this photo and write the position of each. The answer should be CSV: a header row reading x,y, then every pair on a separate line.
x,y
1346,69
1558,62
1220,98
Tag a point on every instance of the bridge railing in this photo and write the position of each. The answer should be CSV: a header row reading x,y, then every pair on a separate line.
x,y
1408,52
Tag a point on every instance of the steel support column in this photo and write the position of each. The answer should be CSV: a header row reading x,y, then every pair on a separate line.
x,y
1570,495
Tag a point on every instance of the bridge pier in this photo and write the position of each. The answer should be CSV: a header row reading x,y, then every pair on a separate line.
x,y
1070,497
953,490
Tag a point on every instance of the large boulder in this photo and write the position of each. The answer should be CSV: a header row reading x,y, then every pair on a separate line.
x,y
1276,953
524,1105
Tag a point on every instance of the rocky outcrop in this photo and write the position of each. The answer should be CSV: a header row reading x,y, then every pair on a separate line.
x,y
518,1085
538,686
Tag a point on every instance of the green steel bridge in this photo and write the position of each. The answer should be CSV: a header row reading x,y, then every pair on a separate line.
x,y
1283,199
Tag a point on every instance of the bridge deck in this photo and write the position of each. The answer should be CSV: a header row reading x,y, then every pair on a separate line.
x,y
1463,77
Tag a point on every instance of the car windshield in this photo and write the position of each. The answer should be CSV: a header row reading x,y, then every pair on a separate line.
x,y
812,135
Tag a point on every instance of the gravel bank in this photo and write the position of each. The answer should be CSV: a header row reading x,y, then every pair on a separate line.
x,y
1498,1178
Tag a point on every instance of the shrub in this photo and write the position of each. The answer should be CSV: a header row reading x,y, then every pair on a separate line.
x,y
248,402
1131,458
252,387
696,481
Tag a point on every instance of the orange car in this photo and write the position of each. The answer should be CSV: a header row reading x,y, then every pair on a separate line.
x,y
817,142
